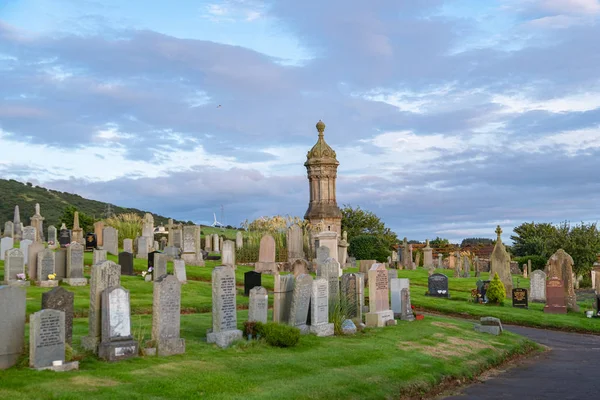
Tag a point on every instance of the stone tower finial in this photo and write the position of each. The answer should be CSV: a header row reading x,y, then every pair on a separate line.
x,y
499,232
321,127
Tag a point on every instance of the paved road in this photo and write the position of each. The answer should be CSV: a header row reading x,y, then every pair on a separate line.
x,y
570,370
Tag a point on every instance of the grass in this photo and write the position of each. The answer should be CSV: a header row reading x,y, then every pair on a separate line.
x,y
408,359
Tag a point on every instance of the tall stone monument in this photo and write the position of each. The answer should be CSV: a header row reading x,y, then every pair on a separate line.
x,y
500,264
37,221
560,265
77,232
18,226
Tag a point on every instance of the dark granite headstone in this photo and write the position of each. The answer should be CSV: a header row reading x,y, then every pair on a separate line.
x,y
126,263
438,286
251,280
91,241
62,300
555,297
151,259
64,237
519,298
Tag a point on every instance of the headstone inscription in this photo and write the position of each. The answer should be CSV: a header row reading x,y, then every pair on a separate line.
x,y
319,303
75,265
301,302
224,316
166,319
62,300
258,304
117,342
379,303
46,338
12,328
14,268
555,297
537,286
91,242
438,286
45,269
64,236
29,233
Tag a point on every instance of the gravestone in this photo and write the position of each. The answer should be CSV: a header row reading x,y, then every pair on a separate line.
x,y
323,253
396,286
258,304
128,245
266,256
45,267
117,342
282,297
160,265
300,267
392,274
77,232
560,265
228,253
29,233
151,260
126,263
466,268
17,224
555,297
537,286
365,265
427,256
178,237
351,291
500,263
75,265
64,238
440,260
239,240
6,243
407,314
166,310
216,243
9,229
62,300
438,286
24,246
162,243
111,240
319,303
46,338
192,251
172,253
301,302
91,243
179,271
14,265
142,247
99,256
379,303
52,236
12,328
489,325
148,228
251,280
208,243
224,316
330,271
519,298
295,243
99,232
32,258
104,275
60,263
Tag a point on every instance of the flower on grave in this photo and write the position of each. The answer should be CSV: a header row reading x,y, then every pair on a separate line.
x,y
51,277
150,269
21,277
50,243
144,274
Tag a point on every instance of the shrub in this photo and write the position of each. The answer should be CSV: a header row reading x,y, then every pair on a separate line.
x,y
537,262
278,335
496,291
368,247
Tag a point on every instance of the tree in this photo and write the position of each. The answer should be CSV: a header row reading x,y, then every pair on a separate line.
x,y
496,292
535,239
357,222
85,221
475,242
368,247
439,243
582,242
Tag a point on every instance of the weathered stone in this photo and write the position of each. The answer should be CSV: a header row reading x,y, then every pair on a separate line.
x,y
228,253
143,247
406,314
282,297
500,264
111,240
427,256
14,265
224,315
45,267
560,265
258,304
62,300
537,286
330,240
75,265
239,240
98,256
348,327
300,302
77,232
379,303
46,338
160,265
6,243
266,256
352,295
365,265
29,233
128,245
319,303
179,271
330,271
24,246
117,342
104,275
12,326
215,244
52,237
166,310
192,249
295,243
32,258
300,267
489,325
99,231
396,286
9,229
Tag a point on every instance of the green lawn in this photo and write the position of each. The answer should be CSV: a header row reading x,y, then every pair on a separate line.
x,y
407,359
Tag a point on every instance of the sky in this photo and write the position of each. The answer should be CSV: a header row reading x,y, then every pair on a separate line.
x,y
448,117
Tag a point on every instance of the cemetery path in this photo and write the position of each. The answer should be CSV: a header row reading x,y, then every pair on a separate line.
x,y
568,371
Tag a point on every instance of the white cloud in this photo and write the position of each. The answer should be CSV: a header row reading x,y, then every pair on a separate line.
x,y
571,6
578,102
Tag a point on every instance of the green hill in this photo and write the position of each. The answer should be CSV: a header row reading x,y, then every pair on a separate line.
x,y
53,204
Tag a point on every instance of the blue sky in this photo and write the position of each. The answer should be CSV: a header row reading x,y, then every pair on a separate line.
x,y
448,117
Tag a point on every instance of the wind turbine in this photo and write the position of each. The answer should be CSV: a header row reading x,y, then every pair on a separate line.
x,y
216,224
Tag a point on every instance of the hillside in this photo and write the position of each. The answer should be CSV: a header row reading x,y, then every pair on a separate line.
x,y
53,204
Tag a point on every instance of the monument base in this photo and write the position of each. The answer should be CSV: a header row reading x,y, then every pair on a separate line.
x,y
18,283
555,309
75,281
169,347
192,259
266,268
493,330
322,329
65,367
224,339
378,319
118,350
46,283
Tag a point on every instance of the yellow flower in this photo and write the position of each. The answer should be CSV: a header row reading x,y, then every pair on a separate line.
x,y
51,276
